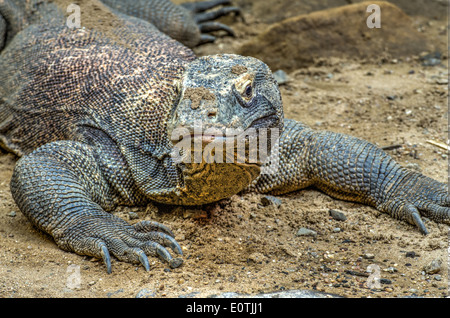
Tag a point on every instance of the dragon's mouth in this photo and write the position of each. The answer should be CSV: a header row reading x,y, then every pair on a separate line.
x,y
241,149
268,121
227,134
226,145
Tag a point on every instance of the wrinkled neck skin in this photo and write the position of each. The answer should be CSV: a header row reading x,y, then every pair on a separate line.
x,y
211,182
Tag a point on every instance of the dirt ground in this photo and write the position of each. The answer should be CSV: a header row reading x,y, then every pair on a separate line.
x,y
240,245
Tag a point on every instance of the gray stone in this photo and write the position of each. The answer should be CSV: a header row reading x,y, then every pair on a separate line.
x,y
337,215
306,232
368,256
269,199
281,77
145,293
133,215
433,267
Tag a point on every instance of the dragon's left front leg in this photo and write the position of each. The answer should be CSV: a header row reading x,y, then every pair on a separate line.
x,y
352,169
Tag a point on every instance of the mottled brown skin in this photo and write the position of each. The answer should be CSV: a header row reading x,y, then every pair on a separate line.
x,y
92,113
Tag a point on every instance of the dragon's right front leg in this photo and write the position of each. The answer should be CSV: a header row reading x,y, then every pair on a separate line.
x,y
62,189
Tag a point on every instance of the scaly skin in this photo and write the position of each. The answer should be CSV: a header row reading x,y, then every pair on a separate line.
x,y
187,23
93,112
352,169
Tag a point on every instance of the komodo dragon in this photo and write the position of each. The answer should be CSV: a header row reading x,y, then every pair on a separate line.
x,y
91,112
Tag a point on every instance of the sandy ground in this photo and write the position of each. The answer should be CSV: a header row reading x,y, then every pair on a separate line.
x,y
241,246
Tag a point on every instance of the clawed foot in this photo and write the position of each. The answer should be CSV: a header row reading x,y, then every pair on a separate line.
x,y
419,196
101,237
204,18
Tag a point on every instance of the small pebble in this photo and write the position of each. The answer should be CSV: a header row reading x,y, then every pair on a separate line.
x,y
390,270
432,62
256,257
337,215
433,267
281,77
12,214
442,81
385,281
431,59
268,200
368,256
133,215
145,293
306,232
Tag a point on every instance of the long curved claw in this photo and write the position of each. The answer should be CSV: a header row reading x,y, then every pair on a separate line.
x,y
163,239
419,223
134,255
94,247
152,248
211,26
207,38
413,216
106,258
144,260
172,243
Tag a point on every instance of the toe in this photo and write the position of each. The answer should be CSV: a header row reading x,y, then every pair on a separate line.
x,y
206,38
152,226
212,15
212,26
93,247
162,239
412,215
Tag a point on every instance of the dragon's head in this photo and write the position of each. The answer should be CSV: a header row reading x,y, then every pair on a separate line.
x,y
228,114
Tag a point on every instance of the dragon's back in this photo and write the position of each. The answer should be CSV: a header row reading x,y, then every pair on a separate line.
x,y
57,82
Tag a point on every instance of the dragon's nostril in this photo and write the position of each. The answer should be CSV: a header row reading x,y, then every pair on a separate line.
x,y
212,114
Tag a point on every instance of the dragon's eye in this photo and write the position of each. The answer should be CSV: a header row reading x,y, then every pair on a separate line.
x,y
244,89
248,91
